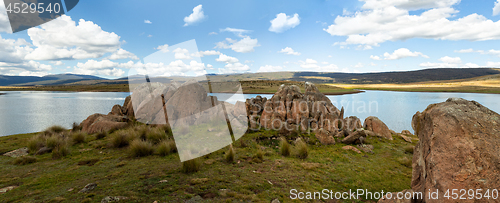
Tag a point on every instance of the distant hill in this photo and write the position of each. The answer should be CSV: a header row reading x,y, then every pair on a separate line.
x,y
439,74
58,79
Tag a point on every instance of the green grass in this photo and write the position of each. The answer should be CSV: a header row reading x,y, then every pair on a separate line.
x,y
162,178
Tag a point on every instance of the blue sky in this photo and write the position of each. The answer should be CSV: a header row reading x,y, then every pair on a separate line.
x,y
108,38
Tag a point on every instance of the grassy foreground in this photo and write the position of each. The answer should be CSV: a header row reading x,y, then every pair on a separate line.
x,y
148,172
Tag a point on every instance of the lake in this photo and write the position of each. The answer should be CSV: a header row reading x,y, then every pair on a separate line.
x,y
395,109
25,112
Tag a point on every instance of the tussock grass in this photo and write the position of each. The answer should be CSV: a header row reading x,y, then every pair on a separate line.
x,y
405,161
60,151
78,137
54,130
141,148
301,150
156,135
166,147
230,155
24,160
191,166
35,143
142,131
101,135
55,142
284,147
409,149
76,127
121,139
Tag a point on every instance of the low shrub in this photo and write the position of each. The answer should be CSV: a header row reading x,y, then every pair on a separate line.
x,y
25,160
141,148
284,147
259,155
230,155
301,150
78,137
191,166
60,152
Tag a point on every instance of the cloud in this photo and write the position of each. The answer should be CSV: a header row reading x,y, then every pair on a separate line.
x,y
163,48
269,68
496,8
57,63
236,31
375,57
289,51
490,52
465,51
25,68
148,22
313,65
122,54
82,41
195,17
206,53
402,53
282,22
244,45
213,33
449,62
227,59
390,20
182,54
493,64
236,67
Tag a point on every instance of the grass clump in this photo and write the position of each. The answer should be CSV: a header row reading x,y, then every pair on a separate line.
x,y
54,130
284,147
405,161
54,142
121,139
76,127
301,150
230,155
155,136
101,135
78,137
25,160
60,152
409,149
35,143
166,147
141,148
191,166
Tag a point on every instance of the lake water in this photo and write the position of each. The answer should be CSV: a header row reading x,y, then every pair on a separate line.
x,y
395,109
25,112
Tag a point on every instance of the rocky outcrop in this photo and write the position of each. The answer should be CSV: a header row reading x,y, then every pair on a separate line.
x,y
457,149
291,110
351,123
375,125
325,137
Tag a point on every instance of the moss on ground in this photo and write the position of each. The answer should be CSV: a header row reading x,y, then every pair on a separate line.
x,y
160,178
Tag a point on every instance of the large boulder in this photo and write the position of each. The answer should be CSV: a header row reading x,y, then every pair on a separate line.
x,y
103,123
375,125
458,148
324,137
351,123
290,108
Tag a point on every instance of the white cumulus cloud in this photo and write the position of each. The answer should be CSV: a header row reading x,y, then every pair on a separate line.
x,y
195,17
282,22
148,22
244,45
402,53
496,8
289,51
